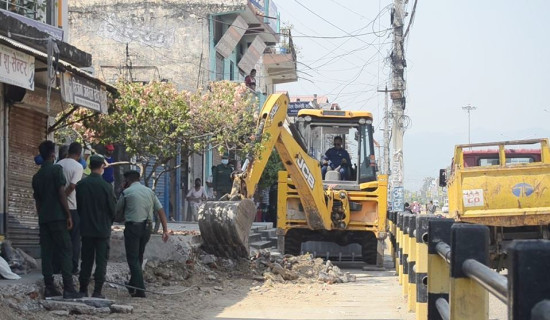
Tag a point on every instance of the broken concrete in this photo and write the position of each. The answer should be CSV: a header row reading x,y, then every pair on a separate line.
x,y
73,307
92,302
120,308
279,268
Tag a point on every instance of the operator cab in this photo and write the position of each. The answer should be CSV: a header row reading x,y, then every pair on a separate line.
x,y
318,129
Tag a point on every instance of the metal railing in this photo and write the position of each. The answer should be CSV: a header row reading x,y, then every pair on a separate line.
x,y
29,9
442,266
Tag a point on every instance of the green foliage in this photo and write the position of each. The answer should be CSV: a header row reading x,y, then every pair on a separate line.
x,y
155,121
271,172
224,116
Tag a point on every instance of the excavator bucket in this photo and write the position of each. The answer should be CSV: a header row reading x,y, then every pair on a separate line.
x,y
225,226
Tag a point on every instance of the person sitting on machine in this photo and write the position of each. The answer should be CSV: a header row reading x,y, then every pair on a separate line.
x,y
337,158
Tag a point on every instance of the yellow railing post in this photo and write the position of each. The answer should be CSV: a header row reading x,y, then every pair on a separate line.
x,y
411,300
422,267
399,240
468,300
439,230
406,240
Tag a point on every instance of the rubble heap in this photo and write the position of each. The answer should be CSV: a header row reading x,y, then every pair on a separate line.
x,y
278,268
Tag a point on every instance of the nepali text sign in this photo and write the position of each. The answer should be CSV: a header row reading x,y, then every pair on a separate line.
x,y
398,199
16,68
294,107
80,91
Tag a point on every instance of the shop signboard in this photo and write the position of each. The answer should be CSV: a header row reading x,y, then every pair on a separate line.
x,y
16,68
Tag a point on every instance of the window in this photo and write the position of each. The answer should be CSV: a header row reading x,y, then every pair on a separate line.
x,y
483,162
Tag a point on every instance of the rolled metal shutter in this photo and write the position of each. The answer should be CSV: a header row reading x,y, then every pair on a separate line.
x,y
27,129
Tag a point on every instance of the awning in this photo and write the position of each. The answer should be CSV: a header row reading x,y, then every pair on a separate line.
x,y
78,86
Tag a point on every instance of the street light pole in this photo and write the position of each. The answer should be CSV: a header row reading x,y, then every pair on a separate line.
x,y
469,109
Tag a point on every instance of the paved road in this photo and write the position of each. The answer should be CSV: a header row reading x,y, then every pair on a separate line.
x,y
375,295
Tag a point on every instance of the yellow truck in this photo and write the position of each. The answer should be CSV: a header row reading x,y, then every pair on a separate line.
x,y
503,185
345,207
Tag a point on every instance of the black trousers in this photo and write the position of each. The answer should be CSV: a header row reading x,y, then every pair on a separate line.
x,y
136,236
97,249
75,240
55,241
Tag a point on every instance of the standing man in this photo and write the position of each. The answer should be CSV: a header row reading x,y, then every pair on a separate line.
x,y
55,221
138,203
430,208
109,172
96,206
196,196
72,170
221,178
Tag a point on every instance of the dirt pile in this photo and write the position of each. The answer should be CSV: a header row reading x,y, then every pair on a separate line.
x,y
279,268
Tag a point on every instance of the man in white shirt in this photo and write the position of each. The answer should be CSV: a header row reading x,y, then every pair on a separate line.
x,y
72,170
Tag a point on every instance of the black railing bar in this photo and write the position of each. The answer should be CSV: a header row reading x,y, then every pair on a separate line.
x,y
495,283
443,307
444,251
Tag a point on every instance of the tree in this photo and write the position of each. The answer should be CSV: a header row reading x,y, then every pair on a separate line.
x,y
271,171
155,122
223,116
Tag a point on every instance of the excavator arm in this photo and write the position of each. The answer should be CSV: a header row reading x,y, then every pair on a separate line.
x,y
225,225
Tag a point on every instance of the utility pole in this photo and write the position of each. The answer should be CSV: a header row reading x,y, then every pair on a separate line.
x,y
386,153
469,109
398,105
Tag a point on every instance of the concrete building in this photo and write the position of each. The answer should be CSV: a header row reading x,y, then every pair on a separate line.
x,y
41,76
189,43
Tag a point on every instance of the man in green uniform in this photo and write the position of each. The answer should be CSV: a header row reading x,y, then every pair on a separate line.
x,y
138,203
96,207
55,221
221,178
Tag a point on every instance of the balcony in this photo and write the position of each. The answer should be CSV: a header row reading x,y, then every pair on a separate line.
x,y
280,61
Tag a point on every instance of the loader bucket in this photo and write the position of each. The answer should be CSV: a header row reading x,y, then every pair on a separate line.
x,y
225,226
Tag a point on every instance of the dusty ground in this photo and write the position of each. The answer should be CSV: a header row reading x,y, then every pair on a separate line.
x,y
204,287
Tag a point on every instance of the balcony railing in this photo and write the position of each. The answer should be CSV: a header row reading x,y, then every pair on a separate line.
x,y
27,8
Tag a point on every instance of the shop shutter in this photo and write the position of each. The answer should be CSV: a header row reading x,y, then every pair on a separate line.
x,y
27,129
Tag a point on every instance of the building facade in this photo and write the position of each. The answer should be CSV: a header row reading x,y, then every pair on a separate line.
x,y
189,43
41,76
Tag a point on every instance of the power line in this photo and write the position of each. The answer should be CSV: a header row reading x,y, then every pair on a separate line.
x,y
340,37
350,10
411,20
332,24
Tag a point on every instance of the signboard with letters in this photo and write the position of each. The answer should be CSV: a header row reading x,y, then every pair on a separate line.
x,y
231,37
16,68
294,107
398,199
473,198
80,91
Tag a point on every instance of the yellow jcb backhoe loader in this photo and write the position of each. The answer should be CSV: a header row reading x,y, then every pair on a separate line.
x,y
338,210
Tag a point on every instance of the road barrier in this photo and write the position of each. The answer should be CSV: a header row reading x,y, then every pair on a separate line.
x,y
442,266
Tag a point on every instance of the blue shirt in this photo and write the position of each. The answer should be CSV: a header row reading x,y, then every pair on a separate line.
x,y
335,156
109,172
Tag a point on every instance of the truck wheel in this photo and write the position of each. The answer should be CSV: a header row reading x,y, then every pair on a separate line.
x,y
369,248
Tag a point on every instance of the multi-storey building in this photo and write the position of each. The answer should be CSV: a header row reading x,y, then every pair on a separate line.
x,y
41,76
189,43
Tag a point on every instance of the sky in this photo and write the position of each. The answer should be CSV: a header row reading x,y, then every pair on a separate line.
x,y
493,55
